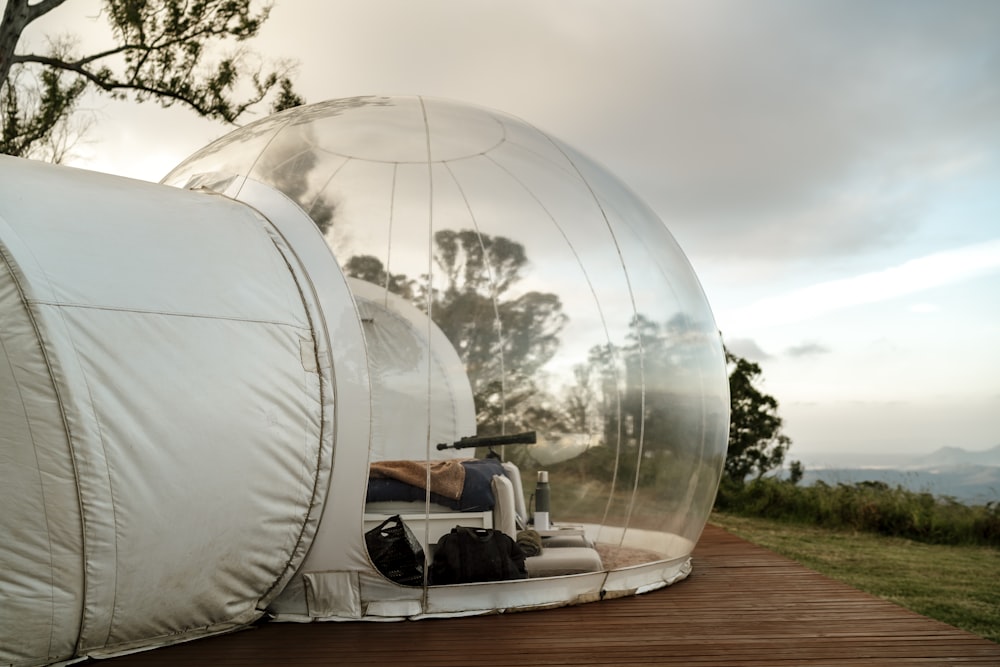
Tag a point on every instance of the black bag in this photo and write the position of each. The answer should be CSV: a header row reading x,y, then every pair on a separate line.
x,y
476,554
395,551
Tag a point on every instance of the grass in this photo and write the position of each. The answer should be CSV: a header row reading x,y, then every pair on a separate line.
x,y
959,585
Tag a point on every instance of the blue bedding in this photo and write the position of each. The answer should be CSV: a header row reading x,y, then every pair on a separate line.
x,y
477,492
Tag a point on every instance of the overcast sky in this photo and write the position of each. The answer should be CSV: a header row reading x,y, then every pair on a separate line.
x,y
832,170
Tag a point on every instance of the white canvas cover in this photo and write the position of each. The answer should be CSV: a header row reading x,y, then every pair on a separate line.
x,y
166,398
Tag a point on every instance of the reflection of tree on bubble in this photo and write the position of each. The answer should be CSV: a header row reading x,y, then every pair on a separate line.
x,y
370,269
639,395
503,340
627,396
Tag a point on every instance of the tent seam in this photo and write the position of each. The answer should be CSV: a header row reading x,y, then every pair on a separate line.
x,y
635,312
34,449
69,442
322,409
166,313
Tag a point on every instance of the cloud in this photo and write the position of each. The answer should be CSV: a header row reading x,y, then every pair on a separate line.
x,y
815,129
748,349
807,350
769,130
916,275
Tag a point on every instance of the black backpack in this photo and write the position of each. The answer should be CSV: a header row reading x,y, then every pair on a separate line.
x,y
476,554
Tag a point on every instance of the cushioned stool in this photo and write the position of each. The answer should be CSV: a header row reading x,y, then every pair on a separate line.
x,y
563,560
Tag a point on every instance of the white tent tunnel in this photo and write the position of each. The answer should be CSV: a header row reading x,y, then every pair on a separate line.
x,y
194,387
166,409
572,311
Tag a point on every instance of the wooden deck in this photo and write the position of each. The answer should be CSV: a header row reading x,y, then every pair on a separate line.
x,y
742,605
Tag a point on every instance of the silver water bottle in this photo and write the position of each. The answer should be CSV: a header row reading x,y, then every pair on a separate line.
x,y
542,501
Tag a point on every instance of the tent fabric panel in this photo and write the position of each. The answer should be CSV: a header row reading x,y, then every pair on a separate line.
x,y
386,600
22,236
241,333
333,594
40,551
89,460
210,493
523,594
649,577
338,542
317,360
383,598
169,243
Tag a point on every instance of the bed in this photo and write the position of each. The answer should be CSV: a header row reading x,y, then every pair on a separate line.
x,y
461,495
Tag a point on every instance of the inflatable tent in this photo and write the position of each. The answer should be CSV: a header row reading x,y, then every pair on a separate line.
x,y
372,313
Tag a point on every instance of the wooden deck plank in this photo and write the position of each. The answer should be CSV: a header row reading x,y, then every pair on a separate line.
x,y
742,605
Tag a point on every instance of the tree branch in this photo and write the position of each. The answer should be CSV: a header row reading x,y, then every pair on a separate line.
x,y
112,85
124,48
159,52
41,8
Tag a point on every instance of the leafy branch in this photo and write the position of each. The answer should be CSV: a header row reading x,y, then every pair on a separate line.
x,y
162,52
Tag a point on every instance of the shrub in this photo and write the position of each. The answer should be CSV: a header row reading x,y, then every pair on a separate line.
x,y
865,506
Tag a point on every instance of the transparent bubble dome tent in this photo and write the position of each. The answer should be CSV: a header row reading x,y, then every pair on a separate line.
x,y
223,396
506,284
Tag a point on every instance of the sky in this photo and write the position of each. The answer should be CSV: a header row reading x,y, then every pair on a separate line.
x,y
831,170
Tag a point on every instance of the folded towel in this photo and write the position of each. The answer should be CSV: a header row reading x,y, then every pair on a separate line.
x,y
447,477
530,542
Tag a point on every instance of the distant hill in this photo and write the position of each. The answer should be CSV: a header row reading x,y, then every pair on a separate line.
x,y
971,477
950,457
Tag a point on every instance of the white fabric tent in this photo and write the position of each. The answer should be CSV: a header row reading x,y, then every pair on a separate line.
x,y
166,401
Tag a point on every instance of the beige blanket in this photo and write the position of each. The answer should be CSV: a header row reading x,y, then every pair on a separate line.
x,y
447,477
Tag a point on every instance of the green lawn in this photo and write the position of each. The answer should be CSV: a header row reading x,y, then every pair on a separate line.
x,y
958,585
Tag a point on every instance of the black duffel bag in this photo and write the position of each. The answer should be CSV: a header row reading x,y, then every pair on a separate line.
x,y
395,551
476,554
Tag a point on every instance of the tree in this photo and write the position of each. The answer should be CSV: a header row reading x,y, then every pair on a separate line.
x,y
162,51
756,443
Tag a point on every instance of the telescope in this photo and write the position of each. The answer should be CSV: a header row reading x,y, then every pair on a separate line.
x,y
525,438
